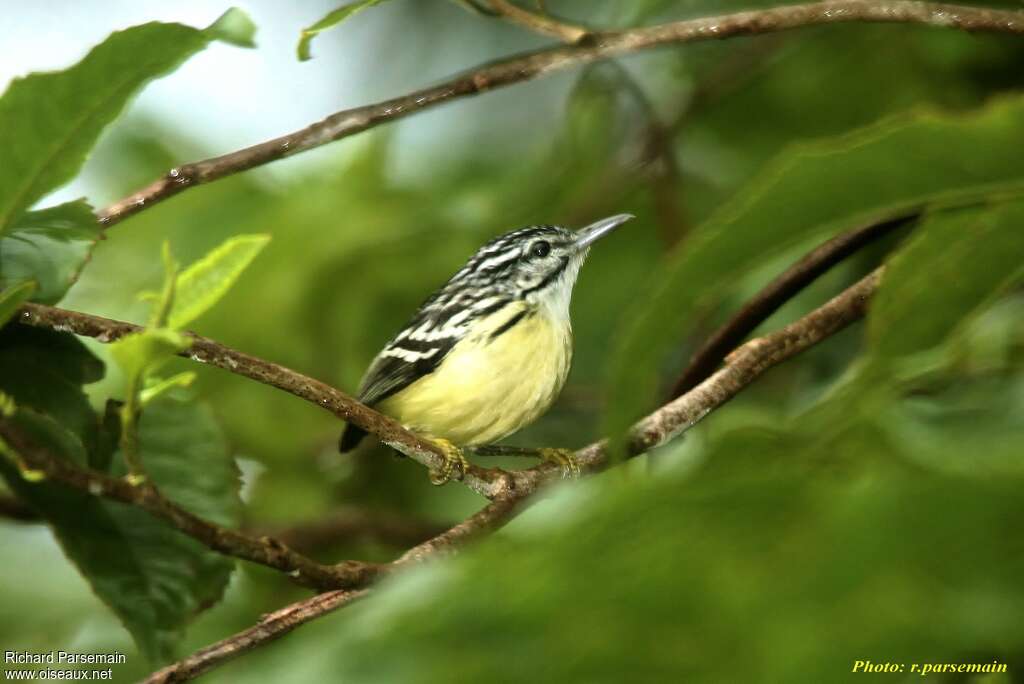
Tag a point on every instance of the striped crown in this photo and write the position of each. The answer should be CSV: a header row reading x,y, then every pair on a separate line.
x,y
523,265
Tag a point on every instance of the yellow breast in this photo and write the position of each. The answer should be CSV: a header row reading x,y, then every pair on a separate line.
x,y
490,385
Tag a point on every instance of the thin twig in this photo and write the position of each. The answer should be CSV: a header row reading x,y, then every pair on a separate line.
x,y
778,292
742,368
271,627
751,360
491,517
280,622
525,67
264,550
539,23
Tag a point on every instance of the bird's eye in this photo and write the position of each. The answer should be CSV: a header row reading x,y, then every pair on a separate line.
x,y
540,249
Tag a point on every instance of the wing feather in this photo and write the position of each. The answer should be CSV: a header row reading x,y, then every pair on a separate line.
x,y
394,369
397,367
420,348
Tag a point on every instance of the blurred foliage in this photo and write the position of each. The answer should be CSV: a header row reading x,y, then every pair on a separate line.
x,y
858,502
782,571
968,160
329,20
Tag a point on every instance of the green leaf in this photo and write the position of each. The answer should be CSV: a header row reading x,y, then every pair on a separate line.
x,y
154,578
163,302
51,120
234,27
156,388
13,297
45,370
202,284
49,246
965,422
139,355
953,265
666,579
933,289
146,350
822,188
331,19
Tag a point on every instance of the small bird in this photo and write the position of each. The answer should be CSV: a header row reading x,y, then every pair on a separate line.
x,y
488,353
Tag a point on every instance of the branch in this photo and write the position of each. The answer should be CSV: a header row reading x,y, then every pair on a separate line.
x,y
778,292
539,23
269,628
490,518
742,367
279,623
485,481
525,67
264,550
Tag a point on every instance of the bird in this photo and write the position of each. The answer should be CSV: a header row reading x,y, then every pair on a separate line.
x,y
488,352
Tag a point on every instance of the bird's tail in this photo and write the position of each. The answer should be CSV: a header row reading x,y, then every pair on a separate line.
x,y
350,437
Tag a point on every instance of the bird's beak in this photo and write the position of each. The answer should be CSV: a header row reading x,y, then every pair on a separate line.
x,y
587,235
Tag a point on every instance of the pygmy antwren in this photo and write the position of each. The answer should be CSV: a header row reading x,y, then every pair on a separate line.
x,y
489,352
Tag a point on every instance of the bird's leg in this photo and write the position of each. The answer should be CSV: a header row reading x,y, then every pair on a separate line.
x,y
564,458
505,450
455,464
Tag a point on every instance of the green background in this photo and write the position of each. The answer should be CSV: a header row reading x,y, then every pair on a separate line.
x,y
862,501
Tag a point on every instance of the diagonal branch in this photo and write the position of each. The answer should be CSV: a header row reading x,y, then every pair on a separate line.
x,y
525,67
742,368
270,628
780,290
263,550
491,517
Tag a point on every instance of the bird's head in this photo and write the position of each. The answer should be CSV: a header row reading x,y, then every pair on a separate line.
x,y
538,264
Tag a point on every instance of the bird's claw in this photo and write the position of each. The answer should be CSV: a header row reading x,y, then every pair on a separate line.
x,y
565,459
455,464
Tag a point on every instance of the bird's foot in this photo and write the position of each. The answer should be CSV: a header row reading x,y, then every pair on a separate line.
x,y
455,464
564,458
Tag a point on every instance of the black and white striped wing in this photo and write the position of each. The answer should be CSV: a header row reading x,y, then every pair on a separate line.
x,y
419,349
439,324
400,364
